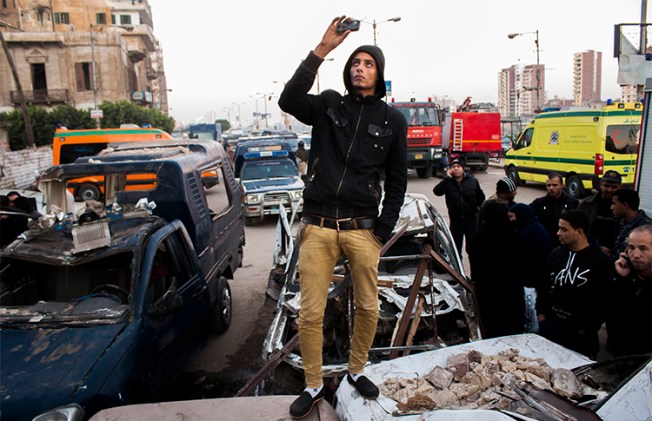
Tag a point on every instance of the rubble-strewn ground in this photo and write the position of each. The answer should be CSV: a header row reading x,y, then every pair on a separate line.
x,y
473,380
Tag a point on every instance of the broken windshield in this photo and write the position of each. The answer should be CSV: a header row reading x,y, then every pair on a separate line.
x,y
35,292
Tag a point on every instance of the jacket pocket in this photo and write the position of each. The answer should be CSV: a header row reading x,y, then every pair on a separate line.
x,y
338,120
377,140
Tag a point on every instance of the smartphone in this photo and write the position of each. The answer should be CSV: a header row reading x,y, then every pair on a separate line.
x,y
629,262
350,25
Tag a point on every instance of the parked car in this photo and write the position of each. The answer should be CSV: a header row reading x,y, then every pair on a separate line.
x,y
107,309
267,182
448,314
265,146
506,144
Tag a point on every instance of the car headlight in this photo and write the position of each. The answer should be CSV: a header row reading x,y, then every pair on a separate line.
x,y
253,198
297,195
70,412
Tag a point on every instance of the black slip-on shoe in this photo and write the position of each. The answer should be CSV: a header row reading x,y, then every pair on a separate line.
x,y
364,386
304,403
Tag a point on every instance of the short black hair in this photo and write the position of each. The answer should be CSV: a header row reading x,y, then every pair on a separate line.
x,y
555,174
628,196
577,219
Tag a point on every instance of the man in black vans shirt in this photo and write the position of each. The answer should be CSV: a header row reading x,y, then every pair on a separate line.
x,y
573,280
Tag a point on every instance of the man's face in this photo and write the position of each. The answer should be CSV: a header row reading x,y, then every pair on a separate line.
x,y
457,170
639,250
555,187
364,74
617,207
607,188
567,234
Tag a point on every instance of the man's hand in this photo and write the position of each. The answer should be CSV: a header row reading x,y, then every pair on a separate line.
x,y
331,38
622,265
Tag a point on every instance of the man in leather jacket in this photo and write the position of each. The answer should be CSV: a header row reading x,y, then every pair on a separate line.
x,y
356,138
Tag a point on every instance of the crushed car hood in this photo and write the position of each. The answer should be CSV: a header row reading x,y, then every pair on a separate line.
x,y
57,360
350,405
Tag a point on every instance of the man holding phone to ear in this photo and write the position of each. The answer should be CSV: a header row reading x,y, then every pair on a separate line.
x,y
629,297
356,138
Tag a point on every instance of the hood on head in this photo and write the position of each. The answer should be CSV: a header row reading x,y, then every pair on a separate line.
x,y
524,214
379,58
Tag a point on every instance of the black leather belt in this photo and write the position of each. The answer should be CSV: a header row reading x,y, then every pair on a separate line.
x,y
340,224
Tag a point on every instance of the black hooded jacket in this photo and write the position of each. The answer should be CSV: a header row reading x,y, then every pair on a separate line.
x,y
355,140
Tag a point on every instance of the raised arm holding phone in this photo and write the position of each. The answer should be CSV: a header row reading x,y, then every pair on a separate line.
x,y
356,138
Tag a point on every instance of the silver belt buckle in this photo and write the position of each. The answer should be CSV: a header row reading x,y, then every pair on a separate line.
x,y
337,222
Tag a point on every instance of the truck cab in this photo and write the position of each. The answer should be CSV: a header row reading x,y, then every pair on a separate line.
x,y
424,135
106,307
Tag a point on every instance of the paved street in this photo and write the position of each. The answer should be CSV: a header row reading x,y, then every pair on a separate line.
x,y
231,359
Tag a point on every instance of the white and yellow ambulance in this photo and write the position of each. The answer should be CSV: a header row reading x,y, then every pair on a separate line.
x,y
578,144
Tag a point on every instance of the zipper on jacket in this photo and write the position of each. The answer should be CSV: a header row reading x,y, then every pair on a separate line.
x,y
374,192
346,164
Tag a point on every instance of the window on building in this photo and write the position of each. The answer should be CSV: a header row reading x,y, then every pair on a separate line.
x,y
62,18
84,76
125,19
4,4
100,18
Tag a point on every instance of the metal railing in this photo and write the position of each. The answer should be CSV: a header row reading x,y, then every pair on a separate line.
x,y
42,96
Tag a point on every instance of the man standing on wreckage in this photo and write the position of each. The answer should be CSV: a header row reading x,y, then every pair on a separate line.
x,y
355,139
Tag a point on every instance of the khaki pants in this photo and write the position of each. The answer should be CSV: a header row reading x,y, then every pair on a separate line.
x,y
320,249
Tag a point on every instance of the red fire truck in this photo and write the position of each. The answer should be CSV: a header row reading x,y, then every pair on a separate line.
x,y
472,134
423,136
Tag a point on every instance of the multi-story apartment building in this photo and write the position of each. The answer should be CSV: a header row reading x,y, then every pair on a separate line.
x,y
81,52
521,90
587,77
630,93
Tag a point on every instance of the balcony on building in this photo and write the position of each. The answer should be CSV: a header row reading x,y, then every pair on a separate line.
x,y
42,97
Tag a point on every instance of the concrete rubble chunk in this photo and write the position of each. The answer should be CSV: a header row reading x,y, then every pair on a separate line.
x,y
444,399
440,377
565,383
458,364
475,356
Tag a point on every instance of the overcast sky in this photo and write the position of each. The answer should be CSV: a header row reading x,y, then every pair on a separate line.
x,y
221,53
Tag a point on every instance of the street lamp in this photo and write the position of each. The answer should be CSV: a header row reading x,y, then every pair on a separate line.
x,y
374,24
318,90
239,115
538,70
264,96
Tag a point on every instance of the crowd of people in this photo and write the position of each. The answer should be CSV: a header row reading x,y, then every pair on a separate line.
x,y
574,265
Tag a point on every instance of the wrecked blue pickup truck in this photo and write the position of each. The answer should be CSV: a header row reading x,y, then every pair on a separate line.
x,y
106,307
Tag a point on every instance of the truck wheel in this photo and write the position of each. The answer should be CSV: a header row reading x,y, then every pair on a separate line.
x,y
222,310
250,220
483,167
574,187
512,173
88,192
424,172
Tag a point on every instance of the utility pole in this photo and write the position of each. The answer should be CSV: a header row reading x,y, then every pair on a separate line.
x,y
97,120
640,89
21,96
